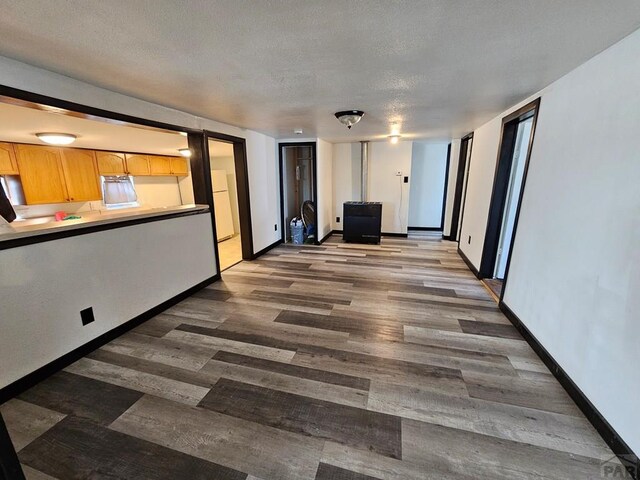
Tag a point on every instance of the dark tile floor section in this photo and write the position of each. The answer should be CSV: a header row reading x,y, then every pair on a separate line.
x,y
294,370
340,362
357,427
83,397
330,472
79,449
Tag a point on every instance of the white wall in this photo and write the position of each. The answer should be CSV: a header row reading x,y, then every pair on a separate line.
x,y
428,172
346,178
451,185
324,168
261,150
385,160
157,191
121,273
575,270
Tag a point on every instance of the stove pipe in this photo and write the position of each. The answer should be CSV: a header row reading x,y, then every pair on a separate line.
x,y
364,171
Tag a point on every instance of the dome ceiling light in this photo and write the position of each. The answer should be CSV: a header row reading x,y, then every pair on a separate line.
x,y
349,117
53,138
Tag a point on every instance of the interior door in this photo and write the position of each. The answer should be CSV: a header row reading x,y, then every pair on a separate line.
x,y
513,194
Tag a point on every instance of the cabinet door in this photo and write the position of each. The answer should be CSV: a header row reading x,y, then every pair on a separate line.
x,y
179,166
160,165
137,164
41,174
8,164
81,175
111,163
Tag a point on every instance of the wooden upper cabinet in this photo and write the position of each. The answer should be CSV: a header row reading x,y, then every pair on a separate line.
x,y
41,174
8,163
179,166
111,163
137,164
81,175
159,165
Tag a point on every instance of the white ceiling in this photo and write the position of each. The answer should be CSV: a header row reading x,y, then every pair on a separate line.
x,y
20,124
438,67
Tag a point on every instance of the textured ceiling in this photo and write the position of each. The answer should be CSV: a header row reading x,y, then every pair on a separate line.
x,y
438,68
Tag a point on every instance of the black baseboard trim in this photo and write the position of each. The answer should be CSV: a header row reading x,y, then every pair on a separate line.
x,y
325,237
399,235
337,232
26,382
426,229
624,453
265,250
473,269
450,238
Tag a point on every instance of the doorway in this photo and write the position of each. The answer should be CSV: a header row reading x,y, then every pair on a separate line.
x,y
513,161
298,187
460,194
229,193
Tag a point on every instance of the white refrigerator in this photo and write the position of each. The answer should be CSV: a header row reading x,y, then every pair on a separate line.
x,y
222,205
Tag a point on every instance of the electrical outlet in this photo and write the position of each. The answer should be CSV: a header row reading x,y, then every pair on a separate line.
x,y
275,227
406,179
86,316
469,242
337,219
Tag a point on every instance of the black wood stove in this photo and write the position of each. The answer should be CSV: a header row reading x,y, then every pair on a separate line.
x,y
362,222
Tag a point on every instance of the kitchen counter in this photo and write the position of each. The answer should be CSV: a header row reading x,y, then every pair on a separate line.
x,y
15,234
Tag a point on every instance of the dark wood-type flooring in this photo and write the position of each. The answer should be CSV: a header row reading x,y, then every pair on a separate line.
x,y
334,362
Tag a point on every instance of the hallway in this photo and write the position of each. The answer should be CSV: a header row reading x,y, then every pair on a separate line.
x,y
341,361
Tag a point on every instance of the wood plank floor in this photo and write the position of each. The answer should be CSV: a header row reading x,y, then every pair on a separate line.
x,y
335,362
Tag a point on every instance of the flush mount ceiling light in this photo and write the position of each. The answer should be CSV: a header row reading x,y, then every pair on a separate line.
x,y
56,138
349,117
185,152
394,138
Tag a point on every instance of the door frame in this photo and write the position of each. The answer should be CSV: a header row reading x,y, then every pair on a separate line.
x,y
500,189
446,187
462,178
314,151
242,186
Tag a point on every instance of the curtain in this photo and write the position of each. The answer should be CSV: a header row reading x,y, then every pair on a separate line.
x,y
118,190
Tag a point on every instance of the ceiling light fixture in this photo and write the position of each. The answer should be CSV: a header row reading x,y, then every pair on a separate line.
x,y
298,131
349,117
185,152
394,138
56,138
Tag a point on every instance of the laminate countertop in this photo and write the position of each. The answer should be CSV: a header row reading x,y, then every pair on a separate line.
x,y
19,230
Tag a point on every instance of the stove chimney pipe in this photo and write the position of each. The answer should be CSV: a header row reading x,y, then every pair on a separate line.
x,y
364,170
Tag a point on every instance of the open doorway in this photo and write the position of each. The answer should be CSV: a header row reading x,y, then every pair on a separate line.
x,y
229,192
298,186
511,171
460,193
